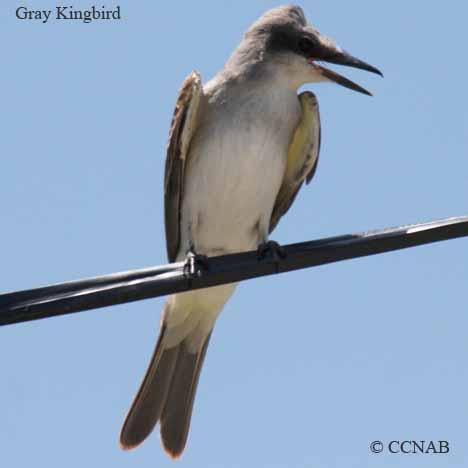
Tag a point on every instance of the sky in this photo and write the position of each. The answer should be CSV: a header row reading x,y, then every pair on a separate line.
x,y
304,369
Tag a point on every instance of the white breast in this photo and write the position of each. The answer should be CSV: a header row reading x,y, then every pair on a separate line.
x,y
235,169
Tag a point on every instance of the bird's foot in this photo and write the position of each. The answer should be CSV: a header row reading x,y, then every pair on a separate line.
x,y
272,250
195,264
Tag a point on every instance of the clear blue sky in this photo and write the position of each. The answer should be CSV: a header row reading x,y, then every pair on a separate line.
x,y
304,369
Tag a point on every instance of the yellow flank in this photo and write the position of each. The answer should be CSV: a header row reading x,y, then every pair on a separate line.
x,y
302,156
302,141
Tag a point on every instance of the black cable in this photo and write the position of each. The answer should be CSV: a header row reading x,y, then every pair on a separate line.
x,y
134,285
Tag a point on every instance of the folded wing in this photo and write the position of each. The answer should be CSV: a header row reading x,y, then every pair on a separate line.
x,y
303,157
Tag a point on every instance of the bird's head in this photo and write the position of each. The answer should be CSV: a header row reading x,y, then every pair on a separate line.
x,y
294,49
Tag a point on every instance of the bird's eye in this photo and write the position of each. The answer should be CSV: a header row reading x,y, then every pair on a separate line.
x,y
306,46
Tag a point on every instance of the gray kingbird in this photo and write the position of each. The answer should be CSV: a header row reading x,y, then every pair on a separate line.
x,y
240,148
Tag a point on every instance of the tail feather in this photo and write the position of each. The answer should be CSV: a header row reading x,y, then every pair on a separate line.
x,y
166,395
148,403
175,418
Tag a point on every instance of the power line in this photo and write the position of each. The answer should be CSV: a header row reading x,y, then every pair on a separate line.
x,y
135,285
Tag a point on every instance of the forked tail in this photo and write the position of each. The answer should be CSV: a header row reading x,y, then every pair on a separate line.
x,y
166,395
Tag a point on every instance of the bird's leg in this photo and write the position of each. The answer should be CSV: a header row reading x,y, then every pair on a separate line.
x,y
272,250
195,263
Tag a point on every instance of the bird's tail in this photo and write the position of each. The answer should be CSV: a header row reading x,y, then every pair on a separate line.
x,y
166,395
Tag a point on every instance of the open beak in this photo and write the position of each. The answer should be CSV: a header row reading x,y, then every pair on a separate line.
x,y
340,57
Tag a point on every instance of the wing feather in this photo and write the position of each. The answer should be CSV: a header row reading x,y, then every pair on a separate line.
x,y
303,157
183,126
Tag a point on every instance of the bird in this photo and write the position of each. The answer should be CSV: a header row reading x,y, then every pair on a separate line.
x,y
240,148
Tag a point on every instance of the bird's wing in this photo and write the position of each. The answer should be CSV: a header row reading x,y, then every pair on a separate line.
x,y
303,157
184,122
